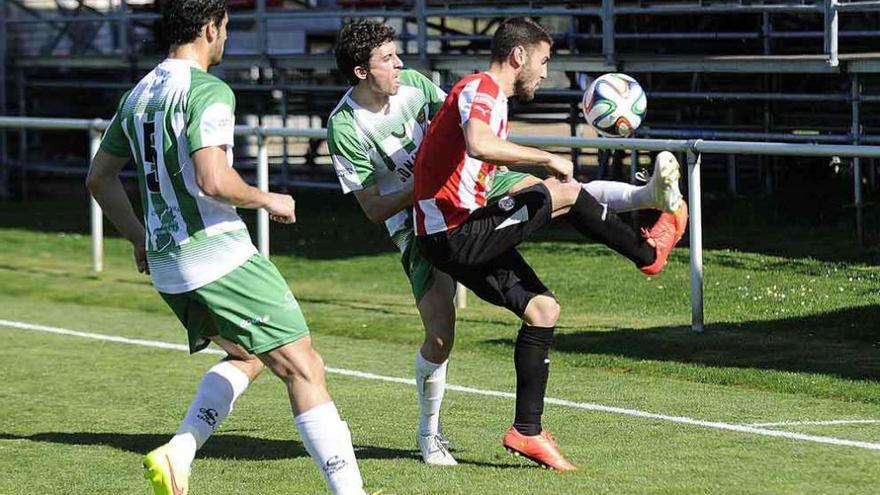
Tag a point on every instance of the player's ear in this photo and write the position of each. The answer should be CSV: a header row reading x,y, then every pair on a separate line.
x,y
212,31
360,72
518,56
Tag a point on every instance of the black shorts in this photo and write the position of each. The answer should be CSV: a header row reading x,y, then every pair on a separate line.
x,y
481,253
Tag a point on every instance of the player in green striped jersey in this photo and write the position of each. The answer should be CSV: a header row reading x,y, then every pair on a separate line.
x,y
177,126
373,135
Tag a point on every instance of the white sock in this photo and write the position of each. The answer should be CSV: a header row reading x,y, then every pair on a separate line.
x,y
620,196
431,385
220,386
328,440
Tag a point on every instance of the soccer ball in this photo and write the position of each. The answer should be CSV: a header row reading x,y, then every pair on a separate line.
x,y
615,105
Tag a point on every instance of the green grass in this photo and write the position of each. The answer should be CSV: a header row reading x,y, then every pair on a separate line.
x,y
788,338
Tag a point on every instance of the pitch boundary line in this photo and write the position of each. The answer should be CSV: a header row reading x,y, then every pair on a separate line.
x,y
829,422
755,430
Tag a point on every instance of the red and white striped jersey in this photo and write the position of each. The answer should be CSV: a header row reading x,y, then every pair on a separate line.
x,y
449,184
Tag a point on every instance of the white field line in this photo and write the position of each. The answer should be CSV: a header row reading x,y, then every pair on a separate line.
x,y
820,423
470,390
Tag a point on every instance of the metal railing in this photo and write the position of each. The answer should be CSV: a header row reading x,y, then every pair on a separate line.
x,y
693,148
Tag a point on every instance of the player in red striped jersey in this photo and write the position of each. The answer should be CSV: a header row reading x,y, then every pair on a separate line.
x,y
474,239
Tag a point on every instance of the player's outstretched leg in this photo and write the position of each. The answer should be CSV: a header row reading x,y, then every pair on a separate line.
x,y
325,435
527,437
648,251
437,310
660,193
168,466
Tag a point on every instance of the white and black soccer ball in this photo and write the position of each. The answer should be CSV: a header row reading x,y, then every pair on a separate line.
x,y
615,105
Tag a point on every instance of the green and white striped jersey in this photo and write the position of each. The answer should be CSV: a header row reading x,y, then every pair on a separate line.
x,y
175,110
371,148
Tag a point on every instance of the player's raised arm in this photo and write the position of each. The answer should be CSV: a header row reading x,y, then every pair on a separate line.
x,y
484,145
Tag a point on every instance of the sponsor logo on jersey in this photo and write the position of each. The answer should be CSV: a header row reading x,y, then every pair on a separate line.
x,y
483,104
345,168
400,134
224,122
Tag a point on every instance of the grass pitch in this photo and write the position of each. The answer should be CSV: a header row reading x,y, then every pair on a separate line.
x,y
791,342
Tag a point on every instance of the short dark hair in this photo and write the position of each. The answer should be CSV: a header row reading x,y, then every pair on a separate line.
x,y
517,31
356,42
183,20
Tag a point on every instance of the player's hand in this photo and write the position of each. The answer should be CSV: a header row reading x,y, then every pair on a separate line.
x,y
561,168
140,259
281,208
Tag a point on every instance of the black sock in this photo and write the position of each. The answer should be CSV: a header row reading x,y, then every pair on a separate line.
x,y
599,223
532,368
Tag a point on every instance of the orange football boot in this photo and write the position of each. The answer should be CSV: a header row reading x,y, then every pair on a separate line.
x,y
541,449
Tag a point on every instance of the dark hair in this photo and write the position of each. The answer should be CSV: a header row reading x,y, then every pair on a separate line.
x,y
355,43
183,20
517,31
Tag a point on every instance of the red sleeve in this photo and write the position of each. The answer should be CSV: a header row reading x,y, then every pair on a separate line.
x,y
477,99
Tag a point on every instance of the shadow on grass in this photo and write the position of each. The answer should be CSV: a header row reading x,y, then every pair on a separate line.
x,y
221,446
407,310
843,343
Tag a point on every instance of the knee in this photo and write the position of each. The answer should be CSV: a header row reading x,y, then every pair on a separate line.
x,y
304,366
572,190
564,194
437,346
543,311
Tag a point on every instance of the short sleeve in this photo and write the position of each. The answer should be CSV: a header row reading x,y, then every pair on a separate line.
x,y
350,160
477,99
114,141
210,116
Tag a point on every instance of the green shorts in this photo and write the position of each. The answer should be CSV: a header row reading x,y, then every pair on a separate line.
x,y
418,270
251,306
504,182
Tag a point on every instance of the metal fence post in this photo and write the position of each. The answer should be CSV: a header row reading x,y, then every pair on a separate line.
x,y
633,166
263,185
731,162
831,32
422,20
696,238
608,31
23,157
4,151
97,216
262,37
124,30
857,162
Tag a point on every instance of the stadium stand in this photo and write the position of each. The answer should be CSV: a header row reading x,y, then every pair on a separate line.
x,y
713,69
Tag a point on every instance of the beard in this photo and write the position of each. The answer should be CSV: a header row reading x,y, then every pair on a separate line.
x,y
524,91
